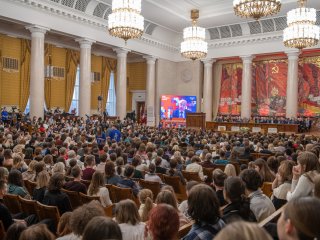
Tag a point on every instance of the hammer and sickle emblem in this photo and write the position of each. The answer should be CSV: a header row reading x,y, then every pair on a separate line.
x,y
275,69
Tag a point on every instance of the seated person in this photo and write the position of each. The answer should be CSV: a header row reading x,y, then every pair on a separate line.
x,y
173,171
218,177
195,167
42,183
89,170
110,174
223,160
208,161
15,184
159,169
76,185
127,181
136,162
151,175
260,204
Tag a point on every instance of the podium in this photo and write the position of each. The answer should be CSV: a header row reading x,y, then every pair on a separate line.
x,y
196,120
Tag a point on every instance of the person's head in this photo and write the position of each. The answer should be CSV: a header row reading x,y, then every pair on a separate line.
x,y
241,230
234,189
285,170
15,178
218,177
56,182
230,170
195,159
103,157
146,197
167,197
128,171
64,224
109,169
37,232
82,215
163,222
261,166
127,212
96,183
308,161
300,219
76,171
48,159
90,160
42,179
182,105
190,185
273,164
203,204
58,168
152,168
102,228
4,173
158,161
251,179
15,230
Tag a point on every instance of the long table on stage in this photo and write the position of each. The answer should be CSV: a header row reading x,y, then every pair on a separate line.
x,y
264,126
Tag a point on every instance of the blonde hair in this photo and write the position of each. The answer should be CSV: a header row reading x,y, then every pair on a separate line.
x,y
58,168
42,179
230,170
145,197
241,230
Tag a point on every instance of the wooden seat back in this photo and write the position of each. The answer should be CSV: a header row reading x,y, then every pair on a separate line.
x,y
30,186
111,193
122,193
267,188
219,166
184,230
179,189
191,176
208,173
74,198
48,212
108,211
86,198
28,206
153,186
12,202
161,176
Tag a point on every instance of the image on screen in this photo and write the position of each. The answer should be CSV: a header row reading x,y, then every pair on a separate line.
x,y
173,106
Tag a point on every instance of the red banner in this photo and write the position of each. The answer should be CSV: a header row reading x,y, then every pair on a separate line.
x,y
309,86
270,82
230,89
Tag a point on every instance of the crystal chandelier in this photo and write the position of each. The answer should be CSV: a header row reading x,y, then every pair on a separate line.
x,y
194,45
125,21
301,31
256,8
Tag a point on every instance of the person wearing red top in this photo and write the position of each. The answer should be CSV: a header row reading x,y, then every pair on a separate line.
x,y
89,171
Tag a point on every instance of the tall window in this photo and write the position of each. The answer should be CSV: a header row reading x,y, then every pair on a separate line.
x,y
27,110
111,102
75,97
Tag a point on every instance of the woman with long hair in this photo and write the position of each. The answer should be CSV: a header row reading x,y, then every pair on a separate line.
x,y
168,197
30,173
15,184
42,183
261,166
97,188
146,203
128,218
110,174
238,206
303,175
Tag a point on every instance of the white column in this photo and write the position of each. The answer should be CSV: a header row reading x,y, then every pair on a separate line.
x,y
151,90
208,88
292,84
246,86
37,71
85,77
121,87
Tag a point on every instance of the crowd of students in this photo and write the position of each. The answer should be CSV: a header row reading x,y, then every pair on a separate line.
x,y
61,154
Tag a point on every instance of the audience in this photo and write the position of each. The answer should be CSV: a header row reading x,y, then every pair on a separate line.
x,y
76,184
98,188
146,204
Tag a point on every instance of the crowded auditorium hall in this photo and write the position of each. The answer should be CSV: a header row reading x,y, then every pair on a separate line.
x,y
159,119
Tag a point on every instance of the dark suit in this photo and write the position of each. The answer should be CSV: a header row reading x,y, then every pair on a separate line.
x,y
176,113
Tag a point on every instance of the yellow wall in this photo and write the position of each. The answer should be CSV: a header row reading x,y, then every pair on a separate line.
x,y
96,66
58,85
136,75
10,81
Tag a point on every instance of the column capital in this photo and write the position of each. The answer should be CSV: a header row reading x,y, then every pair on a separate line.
x,y
150,59
85,42
293,54
208,62
37,30
121,52
247,58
